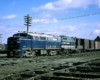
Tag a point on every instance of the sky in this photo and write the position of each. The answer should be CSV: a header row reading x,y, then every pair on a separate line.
x,y
73,18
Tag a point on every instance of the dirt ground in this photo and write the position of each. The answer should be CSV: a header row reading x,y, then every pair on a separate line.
x,y
9,66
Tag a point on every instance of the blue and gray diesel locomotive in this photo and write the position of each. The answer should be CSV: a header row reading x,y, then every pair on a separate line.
x,y
30,44
23,44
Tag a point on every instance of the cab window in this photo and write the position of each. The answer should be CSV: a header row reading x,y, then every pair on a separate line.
x,y
36,38
23,35
42,38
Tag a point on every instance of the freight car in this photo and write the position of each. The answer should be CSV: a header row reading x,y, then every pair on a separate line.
x,y
30,44
3,48
97,45
85,44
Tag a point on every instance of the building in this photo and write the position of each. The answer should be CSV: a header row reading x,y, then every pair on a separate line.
x,y
97,38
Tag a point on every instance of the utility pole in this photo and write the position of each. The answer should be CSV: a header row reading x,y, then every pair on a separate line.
x,y
0,38
28,21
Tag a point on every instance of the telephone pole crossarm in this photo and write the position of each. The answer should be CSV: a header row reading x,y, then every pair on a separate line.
x,y
28,21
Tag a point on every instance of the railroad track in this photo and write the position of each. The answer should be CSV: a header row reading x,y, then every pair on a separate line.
x,y
77,71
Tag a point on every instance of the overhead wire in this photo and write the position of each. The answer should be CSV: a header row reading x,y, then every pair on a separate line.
x,y
64,12
79,16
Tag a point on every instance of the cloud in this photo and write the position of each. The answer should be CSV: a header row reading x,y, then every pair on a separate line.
x,y
68,28
54,20
97,31
98,2
65,30
7,32
8,17
67,4
10,29
48,6
45,15
44,21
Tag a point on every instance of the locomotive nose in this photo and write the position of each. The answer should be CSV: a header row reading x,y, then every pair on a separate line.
x,y
13,46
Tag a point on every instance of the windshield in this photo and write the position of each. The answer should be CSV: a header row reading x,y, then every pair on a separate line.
x,y
20,34
23,35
